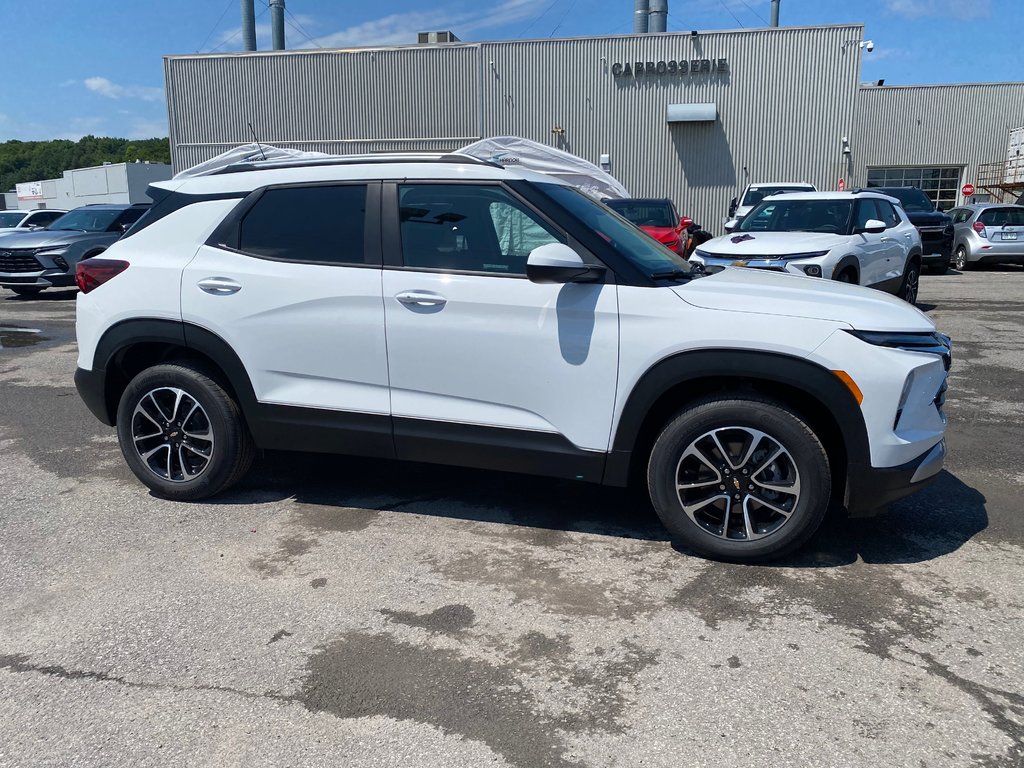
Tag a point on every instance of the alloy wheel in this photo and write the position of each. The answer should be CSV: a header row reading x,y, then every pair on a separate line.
x,y
738,483
910,290
961,258
172,434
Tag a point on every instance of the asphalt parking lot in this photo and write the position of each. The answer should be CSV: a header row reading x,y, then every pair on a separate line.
x,y
333,611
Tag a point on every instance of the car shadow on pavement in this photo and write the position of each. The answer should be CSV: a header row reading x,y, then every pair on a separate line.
x,y
934,522
58,295
453,492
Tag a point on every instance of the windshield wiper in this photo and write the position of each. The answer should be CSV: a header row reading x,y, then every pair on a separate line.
x,y
672,274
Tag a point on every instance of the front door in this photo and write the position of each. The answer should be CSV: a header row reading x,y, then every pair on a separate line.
x,y
873,250
487,368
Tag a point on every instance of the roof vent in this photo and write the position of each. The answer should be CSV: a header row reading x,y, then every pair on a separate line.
x,y
433,38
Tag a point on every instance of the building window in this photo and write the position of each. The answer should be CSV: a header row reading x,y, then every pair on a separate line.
x,y
940,184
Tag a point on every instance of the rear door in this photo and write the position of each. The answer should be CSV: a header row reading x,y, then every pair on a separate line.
x,y
487,368
899,238
292,282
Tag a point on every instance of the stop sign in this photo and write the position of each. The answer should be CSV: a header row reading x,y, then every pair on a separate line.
x,y
967,189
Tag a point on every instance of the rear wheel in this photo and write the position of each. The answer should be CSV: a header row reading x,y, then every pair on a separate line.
x,y
847,276
960,259
181,432
739,478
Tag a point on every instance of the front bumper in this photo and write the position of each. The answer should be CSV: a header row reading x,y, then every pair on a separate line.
x,y
871,489
50,279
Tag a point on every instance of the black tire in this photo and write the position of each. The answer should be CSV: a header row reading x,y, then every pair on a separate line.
x,y
807,464
847,276
960,261
27,291
911,281
231,449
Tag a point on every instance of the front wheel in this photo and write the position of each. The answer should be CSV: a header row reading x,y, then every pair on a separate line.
x,y
181,432
739,478
911,282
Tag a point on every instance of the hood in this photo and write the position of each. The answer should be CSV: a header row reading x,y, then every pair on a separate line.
x,y
754,244
761,292
662,234
45,237
928,218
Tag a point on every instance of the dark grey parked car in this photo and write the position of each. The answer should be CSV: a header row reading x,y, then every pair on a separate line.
x,y
46,258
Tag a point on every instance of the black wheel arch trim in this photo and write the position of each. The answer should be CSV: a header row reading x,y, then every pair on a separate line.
x,y
738,365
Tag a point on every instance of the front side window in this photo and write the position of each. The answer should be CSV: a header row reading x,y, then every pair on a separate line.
x,y
131,216
866,211
86,220
318,224
10,219
799,216
468,228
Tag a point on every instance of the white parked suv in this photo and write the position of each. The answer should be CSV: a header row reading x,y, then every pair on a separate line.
x,y
741,206
447,310
853,237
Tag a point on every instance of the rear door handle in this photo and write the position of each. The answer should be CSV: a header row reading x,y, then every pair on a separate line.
x,y
421,299
219,286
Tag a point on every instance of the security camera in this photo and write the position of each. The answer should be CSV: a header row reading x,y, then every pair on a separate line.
x,y
868,45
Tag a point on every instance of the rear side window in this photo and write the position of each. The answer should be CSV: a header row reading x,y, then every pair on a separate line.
x,y
321,224
1002,217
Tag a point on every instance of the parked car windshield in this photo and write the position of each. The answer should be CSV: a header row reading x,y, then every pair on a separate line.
x,y
756,194
641,249
11,218
645,214
799,216
913,199
87,220
1002,217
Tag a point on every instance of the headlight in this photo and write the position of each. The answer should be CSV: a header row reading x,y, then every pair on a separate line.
x,y
934,343
51,252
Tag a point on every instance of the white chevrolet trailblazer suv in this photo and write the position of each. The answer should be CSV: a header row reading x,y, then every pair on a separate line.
x,y
853,237
444,309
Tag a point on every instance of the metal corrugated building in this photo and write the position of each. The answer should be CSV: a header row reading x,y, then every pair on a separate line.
x,y
781,102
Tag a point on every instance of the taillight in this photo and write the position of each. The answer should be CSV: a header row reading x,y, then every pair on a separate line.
x,y
92,273
979,228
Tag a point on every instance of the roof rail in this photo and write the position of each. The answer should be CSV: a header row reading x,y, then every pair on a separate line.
x,y
379,159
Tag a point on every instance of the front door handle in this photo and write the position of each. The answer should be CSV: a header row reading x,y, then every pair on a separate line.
x,y
219,286
421,299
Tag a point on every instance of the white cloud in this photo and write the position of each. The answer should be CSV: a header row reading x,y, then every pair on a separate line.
x,y
958,9
147,129
111,90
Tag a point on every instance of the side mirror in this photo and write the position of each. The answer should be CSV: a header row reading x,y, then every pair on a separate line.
x,y
733,205
731,225
685,222
872,227
558,263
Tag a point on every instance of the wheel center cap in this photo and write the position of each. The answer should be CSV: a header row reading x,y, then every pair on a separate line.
x,y
736,483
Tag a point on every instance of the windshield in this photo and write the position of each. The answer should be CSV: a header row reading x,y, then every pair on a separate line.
x,y
912,199
87,220
799,216
649,255
756,194
645,214
11,218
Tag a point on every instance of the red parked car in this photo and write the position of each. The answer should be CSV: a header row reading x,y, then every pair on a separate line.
x,y
657,216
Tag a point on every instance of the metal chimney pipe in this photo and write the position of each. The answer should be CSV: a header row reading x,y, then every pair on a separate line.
x,y
775,13
277,23
641,8
658,16
248,25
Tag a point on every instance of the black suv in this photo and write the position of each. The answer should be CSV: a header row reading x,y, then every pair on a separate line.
x,y
46,258
935,227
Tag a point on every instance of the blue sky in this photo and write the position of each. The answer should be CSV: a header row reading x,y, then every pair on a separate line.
x,y
73,67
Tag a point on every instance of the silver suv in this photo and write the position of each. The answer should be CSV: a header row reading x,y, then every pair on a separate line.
x,y
987,233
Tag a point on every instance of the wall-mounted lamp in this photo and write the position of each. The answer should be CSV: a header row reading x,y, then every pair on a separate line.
x,y
846,146
558,130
